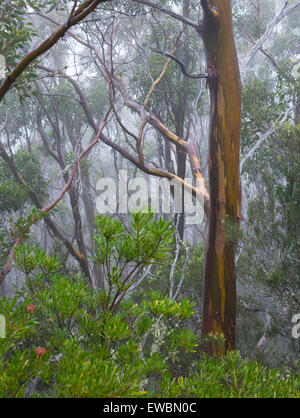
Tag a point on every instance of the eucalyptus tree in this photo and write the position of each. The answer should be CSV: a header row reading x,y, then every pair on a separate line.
x,y
222,196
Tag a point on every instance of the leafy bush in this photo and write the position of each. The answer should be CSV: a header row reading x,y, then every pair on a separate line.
x,y
89,351
64,339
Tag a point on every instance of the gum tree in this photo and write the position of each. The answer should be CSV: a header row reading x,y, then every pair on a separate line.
x,y
222,202
219,310
224,85
223,80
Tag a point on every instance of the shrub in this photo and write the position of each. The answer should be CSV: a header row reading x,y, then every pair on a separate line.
x,y
65,340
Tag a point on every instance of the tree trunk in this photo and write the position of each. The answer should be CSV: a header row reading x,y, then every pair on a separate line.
x,y
180,114
219,310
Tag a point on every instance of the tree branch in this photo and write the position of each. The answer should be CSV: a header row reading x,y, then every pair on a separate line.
x,y
35,200
263,138
283,13
182,66
76,165
168,12
82,11
190,149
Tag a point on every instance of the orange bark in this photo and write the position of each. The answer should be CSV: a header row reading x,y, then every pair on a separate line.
x,y
219,311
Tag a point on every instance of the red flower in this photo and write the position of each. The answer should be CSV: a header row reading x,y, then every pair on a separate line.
x,y
40,351
30,308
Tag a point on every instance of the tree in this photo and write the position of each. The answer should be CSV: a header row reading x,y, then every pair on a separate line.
x,y
219,310
223,81
223,199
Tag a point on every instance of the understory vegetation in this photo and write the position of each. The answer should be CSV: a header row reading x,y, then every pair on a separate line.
x,y
65,339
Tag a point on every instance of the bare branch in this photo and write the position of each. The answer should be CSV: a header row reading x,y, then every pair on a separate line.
x,y
263,339
76,164
35,200
159,78
168,12
269,31
182,66
249,37
172,271
188,255
117,83
263,138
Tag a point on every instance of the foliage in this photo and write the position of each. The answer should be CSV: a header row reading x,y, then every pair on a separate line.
x,y
16,31
231,377
269,261
63,341
268,265
14,230
16,35
89,350
125,252
13,195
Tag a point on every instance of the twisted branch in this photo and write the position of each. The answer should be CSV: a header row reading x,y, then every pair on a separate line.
x,y
182,66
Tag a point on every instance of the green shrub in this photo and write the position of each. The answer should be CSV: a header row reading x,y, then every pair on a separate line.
x,y
64,340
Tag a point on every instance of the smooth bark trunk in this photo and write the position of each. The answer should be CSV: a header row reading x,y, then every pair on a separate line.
x,y
219,310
